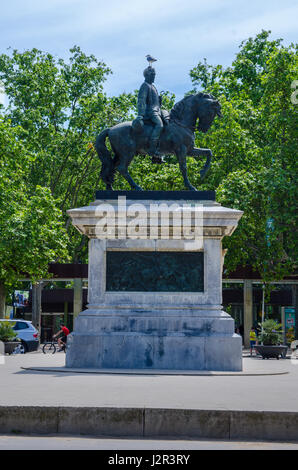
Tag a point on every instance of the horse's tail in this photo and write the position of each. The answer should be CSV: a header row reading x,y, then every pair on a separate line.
x,y
107,167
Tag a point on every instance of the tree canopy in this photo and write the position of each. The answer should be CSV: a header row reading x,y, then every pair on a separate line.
x,y
58,108
31,224
255,147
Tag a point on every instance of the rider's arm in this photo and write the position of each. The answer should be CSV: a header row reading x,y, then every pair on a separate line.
x,y
54,336
142,98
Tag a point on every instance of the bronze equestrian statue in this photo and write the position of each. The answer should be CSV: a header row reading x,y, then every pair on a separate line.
x,y
147,134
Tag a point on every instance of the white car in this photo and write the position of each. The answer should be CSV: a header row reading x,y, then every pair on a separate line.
x,y
27,333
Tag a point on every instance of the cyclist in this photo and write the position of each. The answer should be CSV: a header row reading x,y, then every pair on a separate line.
x,y
64,332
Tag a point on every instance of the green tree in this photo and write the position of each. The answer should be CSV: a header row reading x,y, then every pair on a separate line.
x,y
31,227
59,107
255,144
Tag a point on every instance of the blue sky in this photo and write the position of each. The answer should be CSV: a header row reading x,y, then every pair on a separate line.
x,y
121,32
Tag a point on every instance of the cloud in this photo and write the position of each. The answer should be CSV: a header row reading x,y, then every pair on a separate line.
x,y
121,32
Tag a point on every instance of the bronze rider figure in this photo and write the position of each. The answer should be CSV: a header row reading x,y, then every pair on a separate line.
x,y
149,109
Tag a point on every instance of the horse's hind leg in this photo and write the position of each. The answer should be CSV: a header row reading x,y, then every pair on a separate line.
x,y
122,167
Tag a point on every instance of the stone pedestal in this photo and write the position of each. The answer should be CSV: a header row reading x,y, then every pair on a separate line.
x,y
154,301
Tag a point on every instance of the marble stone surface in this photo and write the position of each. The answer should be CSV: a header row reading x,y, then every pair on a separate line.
x,y
155,330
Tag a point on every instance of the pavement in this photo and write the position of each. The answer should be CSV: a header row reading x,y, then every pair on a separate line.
x,y
55,385
259,403
54,442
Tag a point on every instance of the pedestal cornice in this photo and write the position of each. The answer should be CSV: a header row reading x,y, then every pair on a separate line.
x,y
216,221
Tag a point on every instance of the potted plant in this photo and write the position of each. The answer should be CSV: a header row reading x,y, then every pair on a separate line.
x,y
271,339
290,335
8,336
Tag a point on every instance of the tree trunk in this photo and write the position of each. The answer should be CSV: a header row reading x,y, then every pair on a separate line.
x,y
36,305
248,309
2,299
295,304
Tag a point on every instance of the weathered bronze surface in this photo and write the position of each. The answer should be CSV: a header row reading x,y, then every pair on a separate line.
x,y
155,271
149,110
156,132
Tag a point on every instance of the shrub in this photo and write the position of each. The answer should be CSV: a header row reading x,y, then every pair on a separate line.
x,y
7,332
271,333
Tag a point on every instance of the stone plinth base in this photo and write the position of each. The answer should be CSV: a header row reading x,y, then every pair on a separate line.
x,y
155,341
155,298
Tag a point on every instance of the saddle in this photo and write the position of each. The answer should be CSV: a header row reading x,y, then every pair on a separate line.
x,y
145,127
138,125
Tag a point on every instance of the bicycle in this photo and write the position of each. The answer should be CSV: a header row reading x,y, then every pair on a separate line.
x,y
50,347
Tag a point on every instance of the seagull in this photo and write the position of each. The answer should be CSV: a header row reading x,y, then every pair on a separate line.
x,y
150,59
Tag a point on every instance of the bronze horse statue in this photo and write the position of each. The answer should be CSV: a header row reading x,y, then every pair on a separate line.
x,y
177,138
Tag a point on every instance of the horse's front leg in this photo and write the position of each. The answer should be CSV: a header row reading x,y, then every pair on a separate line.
x,y
204,153
181,156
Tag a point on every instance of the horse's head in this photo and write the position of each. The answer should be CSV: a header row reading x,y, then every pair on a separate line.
x,y
208,108
200,106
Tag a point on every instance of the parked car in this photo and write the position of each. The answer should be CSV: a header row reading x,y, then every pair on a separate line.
x,y
27,333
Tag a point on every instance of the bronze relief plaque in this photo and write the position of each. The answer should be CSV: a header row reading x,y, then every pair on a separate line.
x,y
145,271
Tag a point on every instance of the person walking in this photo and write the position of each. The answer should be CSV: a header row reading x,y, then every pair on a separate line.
x,y
252,339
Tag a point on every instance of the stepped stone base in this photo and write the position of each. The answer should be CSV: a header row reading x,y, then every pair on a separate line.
x,y
137,316
154,340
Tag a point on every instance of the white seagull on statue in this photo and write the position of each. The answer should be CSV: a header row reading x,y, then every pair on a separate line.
x,y
150,59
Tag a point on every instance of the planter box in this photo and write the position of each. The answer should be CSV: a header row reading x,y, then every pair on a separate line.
x,y
10,346
271,351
